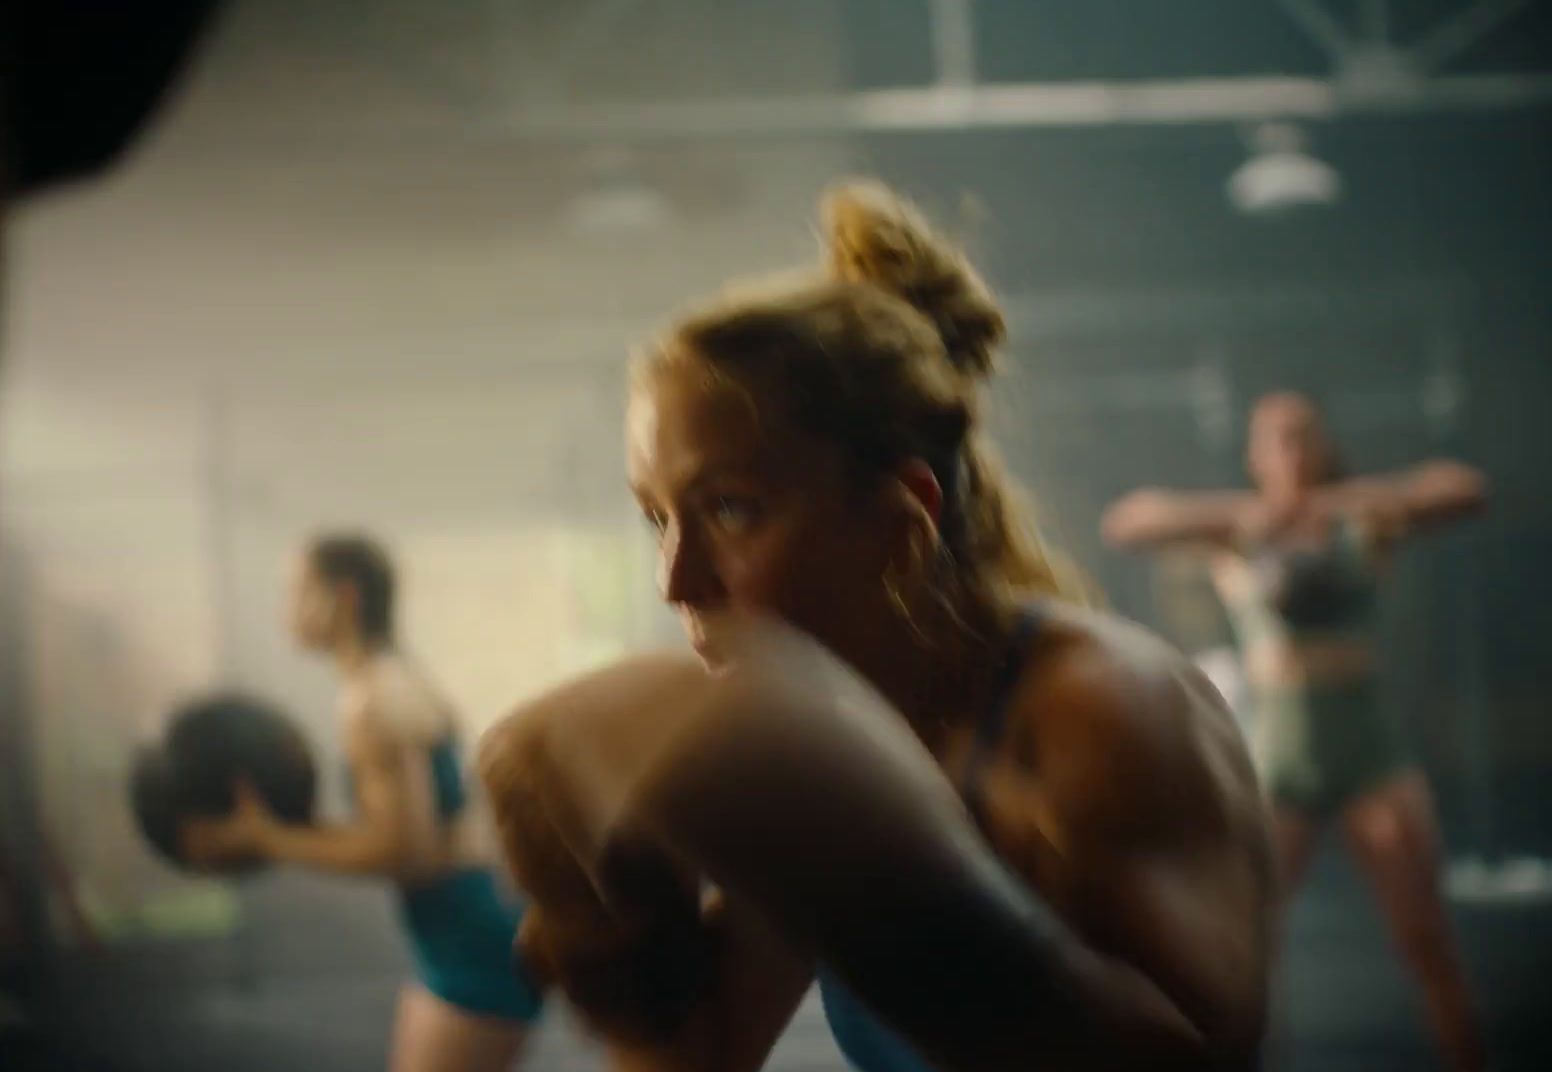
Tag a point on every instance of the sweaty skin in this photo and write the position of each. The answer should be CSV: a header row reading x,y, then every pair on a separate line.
x,y
1112,913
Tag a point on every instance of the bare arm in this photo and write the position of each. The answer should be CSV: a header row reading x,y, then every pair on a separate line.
x,y
1154,517
826,813
671,981
1401,504
1163,829
794,787
394,830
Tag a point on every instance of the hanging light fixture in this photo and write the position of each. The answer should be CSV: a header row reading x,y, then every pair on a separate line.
x,y
614,197
1282,174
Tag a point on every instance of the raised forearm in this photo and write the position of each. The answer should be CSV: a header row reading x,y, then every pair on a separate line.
x,y
657,982
839,827
793,786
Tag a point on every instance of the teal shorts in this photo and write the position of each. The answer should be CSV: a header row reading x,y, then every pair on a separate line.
x,y
1319,748
462,930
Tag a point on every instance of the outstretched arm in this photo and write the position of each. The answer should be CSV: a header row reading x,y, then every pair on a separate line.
x,y
1402,504
1155,517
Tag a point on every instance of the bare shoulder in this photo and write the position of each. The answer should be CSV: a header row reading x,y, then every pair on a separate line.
x,y
1129,737
394,703
361,722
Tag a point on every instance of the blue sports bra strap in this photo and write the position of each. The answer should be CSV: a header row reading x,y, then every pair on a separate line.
x,y
993,722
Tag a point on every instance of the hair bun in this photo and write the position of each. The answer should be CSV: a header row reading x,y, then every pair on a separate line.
x,y
875,236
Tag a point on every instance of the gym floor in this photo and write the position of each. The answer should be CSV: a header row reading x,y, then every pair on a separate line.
x,y
324,986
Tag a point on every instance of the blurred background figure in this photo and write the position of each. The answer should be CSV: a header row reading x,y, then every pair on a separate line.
x,y
1298,563
470,1005
376,265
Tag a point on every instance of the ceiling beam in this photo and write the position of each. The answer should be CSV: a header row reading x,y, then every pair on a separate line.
x,y
1012,106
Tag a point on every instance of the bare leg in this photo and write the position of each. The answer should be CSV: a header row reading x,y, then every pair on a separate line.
x,y
429,1035
1392,834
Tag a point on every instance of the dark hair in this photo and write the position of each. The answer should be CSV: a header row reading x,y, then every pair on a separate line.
x,y
362,563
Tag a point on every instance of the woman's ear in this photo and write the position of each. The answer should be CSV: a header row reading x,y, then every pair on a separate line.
x,y
920,486
919,500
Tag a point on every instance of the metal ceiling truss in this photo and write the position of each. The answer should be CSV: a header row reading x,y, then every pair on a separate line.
x,y
1371,73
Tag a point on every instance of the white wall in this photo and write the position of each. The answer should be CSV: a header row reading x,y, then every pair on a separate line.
x,y
315,299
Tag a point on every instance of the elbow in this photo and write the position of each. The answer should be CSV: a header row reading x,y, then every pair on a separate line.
x,y
393,856
1217,1026
1235,1044
1231,1046
1227,1037
1168,1037
1237,1054
1165,1042
386,850
405,861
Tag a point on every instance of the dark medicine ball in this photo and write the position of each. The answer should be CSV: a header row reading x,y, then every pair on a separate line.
x,y
209,746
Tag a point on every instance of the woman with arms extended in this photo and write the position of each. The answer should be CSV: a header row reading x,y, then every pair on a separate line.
x,y
471,1003
1006,832
1298,563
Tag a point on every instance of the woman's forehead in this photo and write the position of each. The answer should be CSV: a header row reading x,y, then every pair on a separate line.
x,y
679,428
673,418
1285,410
